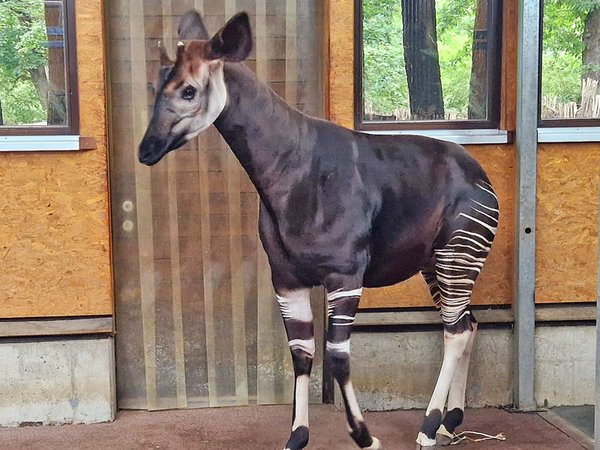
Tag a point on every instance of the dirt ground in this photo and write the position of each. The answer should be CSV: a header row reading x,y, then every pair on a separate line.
x,y
266,427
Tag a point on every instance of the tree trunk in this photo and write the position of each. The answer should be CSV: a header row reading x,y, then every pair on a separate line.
x,y
40,82
591,43
421,60
590,75
57,92
1,115
478,85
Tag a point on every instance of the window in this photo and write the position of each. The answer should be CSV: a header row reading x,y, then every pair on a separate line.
x,y
570,90
38,79
427,64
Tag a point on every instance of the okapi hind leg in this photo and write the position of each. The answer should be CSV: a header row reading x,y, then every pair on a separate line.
x,y
298,321
456,397
456,339
342,306
457,266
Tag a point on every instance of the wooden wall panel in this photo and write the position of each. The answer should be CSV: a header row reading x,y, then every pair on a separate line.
x,y
567,222
495,286
341,62
54,232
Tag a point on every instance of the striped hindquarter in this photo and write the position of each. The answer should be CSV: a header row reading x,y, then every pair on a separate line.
x,y
457,266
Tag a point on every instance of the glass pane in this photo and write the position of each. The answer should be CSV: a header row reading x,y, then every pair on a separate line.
x,y
32,63
197,320
571,60
425,60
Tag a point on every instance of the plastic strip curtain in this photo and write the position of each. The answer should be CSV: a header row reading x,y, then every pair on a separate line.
x,y
197,324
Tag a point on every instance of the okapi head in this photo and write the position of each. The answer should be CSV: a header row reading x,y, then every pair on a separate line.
x,y
192,93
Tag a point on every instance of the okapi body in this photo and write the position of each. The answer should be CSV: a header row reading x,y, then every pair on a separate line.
x,y
339,209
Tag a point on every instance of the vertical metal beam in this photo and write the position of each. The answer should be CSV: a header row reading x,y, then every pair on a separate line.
x,y
526,149
597,405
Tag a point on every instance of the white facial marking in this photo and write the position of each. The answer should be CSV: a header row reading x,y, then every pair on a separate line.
x,y
198,121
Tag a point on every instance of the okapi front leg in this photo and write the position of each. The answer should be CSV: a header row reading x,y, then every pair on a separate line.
x,y
342,306
298,320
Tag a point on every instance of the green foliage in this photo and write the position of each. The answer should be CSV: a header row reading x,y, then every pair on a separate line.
x,y
22,48
384,80
564,22
384,76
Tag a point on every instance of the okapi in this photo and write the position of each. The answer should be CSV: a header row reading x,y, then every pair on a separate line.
x,y
339,209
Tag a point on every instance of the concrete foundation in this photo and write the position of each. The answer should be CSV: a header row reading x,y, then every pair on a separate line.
x,y
57,381
398,370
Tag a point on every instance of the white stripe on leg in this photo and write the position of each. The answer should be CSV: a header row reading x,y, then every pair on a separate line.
x,y
456,396
454,347
302,385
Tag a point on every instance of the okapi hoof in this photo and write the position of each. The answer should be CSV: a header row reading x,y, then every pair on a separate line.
x,y
423,442
443,437
298,439
376,445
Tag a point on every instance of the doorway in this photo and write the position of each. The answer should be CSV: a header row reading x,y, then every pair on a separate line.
x,y
197,323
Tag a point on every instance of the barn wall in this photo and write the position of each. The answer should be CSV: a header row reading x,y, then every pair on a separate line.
x,y
54,245
568,174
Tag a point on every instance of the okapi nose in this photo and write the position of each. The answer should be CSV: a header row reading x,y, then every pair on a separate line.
x,y
149,151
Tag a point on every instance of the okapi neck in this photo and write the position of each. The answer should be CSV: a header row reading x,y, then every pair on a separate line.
x,y
271,139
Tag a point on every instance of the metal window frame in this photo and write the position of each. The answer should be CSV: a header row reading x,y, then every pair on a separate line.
x,y
559,122
493,80
71,80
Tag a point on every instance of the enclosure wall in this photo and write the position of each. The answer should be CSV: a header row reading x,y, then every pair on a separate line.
x,y
54,245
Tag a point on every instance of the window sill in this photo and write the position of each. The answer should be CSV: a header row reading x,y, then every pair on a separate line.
x,y
46,143
569,134
475,136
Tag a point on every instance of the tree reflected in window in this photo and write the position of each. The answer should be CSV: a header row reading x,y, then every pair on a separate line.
x,y
428,60
570,60
33,61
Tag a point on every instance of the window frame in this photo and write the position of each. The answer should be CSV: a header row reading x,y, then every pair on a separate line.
x,y
71,82
494,79
593,122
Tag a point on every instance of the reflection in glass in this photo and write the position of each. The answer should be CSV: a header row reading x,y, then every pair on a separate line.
x,y
425,60
571,60
32,63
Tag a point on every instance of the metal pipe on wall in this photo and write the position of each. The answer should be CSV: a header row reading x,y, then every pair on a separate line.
x,y
526,148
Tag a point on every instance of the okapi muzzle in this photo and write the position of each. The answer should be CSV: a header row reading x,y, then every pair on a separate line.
x,y
158,141
192,92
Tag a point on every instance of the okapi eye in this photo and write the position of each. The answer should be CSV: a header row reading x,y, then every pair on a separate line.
x,y
188,93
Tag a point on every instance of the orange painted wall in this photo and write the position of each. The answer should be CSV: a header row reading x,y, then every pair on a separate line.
x,y
54,232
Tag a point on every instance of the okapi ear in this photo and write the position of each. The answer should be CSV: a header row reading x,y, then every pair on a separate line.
x,y
233,43
191,27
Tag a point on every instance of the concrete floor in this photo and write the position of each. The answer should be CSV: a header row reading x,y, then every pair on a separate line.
x,y
266,427
581,417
